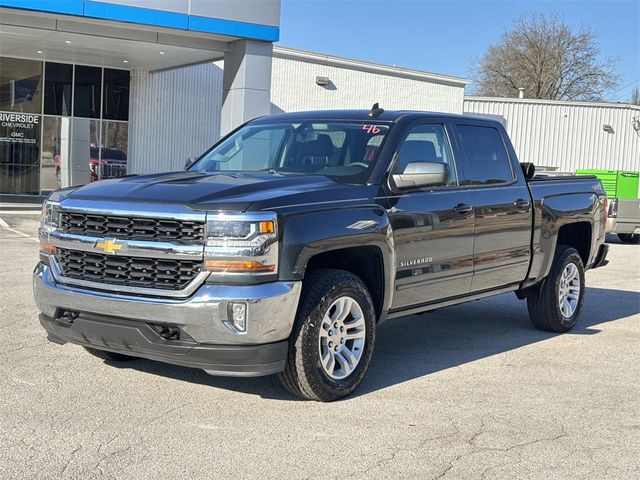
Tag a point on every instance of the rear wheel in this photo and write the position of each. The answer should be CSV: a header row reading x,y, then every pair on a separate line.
x,y
333,337
629,237
556,307
104,355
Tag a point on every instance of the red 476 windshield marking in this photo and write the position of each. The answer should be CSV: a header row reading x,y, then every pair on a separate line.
x,y
371,129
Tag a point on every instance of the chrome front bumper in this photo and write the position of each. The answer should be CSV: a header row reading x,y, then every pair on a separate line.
x,y
271,308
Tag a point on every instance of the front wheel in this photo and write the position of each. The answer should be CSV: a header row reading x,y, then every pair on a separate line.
x,y
556,307
629,238
333,337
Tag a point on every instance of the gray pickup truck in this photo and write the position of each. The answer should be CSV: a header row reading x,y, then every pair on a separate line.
x,y
283,247
624,219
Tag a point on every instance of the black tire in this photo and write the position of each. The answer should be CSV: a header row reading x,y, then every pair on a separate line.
x,y
304,375
629,238
104,355
544,309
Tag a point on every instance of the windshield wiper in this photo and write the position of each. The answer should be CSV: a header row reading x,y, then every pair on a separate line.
x,y
275,171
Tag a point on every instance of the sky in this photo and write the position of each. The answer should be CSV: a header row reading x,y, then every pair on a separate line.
x,y
446,36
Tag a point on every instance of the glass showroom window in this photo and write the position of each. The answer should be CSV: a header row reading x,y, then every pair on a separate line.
x,y
61,125
56,127
98,129
20,109
114,138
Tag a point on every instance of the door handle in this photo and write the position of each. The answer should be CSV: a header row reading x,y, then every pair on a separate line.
x,y
463,208
521,203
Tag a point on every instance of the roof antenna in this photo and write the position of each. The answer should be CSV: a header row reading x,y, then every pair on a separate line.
x,y
376,111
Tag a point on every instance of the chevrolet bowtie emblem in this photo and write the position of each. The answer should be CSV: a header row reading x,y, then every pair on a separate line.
x,y
109,246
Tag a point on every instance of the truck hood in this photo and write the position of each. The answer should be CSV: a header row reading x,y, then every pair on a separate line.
x,y
218,191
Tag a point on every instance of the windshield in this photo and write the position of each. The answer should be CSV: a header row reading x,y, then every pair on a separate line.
x,y
344,151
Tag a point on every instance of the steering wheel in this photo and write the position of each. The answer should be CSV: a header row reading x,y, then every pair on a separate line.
x,y
359,164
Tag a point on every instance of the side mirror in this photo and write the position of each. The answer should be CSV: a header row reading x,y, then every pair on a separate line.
x,y
189,162
422,174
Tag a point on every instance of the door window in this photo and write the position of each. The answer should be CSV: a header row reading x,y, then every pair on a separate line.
x,y
485,157
426,143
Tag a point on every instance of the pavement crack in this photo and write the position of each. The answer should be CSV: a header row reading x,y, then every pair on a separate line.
x,y
395,452
471,442
70,459
24,347
167,412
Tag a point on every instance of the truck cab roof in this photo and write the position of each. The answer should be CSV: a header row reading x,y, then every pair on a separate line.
x,y
392,116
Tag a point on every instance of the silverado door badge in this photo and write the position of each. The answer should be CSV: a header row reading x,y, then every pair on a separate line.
x,y
415,261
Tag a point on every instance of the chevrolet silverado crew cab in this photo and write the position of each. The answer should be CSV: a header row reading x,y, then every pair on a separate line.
x,y
285,246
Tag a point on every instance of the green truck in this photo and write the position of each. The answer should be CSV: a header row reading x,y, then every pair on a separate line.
x,y
624,203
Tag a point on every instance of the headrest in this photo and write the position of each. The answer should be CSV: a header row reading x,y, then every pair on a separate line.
x,y
322,146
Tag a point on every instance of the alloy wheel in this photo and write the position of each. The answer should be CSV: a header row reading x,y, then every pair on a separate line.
x,y
342,338
569,290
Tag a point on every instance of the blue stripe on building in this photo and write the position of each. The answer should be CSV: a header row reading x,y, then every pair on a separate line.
x,y
147,16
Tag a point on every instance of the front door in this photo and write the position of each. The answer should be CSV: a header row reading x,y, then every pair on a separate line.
x,y
433,227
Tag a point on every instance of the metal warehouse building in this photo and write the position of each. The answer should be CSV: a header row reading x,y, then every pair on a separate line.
x,y
567,136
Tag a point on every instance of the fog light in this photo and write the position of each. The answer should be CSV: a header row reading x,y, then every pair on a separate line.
x,y
237,313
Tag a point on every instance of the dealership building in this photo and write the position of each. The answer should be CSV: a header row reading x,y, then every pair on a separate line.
x,y
99,89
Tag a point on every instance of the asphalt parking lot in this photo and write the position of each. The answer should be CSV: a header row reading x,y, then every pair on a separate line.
x,y
469,392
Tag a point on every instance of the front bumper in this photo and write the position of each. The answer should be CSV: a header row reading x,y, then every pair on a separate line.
x,y
129,324
139,339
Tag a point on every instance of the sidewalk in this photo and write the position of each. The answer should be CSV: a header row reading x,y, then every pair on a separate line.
x,y
21,204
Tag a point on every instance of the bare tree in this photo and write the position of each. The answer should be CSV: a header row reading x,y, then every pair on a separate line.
x,y
543,56
635,96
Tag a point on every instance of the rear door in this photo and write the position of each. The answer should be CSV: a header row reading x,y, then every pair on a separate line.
x,y
433,227
501,202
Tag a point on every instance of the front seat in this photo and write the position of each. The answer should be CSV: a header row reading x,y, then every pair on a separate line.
x,y
316,153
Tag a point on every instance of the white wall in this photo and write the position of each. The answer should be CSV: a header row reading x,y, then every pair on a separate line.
x,y
294,88
567,135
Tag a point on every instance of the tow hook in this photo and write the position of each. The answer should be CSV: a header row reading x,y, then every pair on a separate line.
x,y
166,332
65,316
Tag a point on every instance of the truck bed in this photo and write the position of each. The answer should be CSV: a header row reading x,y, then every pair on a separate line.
x,y
558,200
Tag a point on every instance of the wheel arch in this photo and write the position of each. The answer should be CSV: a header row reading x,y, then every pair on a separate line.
x,y
366,262
358,240
579,236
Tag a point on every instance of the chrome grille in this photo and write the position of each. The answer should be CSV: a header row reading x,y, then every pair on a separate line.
x,y
132,228
128,271
108,170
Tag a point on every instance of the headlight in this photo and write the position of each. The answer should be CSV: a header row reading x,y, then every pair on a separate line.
x,y
241,243
50,214
49,221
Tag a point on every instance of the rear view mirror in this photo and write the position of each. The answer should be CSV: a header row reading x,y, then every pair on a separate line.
x,y
189,162
422,174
